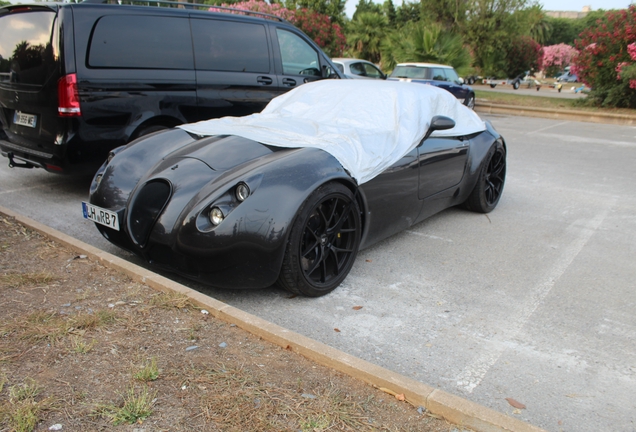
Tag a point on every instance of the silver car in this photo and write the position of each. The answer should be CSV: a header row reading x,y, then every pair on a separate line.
x,y
356,68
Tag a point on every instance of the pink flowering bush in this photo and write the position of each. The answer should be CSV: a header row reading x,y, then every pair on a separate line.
x,y
606,60
557,57
327,35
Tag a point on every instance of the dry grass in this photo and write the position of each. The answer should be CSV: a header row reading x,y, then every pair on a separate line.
x,y
18,280
119,353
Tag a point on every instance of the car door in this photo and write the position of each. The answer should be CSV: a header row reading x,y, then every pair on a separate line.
x,y
441,162
297,60
234,69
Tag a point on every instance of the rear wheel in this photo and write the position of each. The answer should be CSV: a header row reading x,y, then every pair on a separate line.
x,y
471,80
323,243
490,183
493,85
515,85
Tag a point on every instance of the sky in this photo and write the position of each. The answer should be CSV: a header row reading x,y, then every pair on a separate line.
x,y
548,5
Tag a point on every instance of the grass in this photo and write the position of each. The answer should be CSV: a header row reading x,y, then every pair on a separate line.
x,y
485,96
53,326
148,371
22,412
171,300
135,408
17,280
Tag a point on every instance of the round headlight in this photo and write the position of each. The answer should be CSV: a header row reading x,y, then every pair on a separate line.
x,y
242,192
216,216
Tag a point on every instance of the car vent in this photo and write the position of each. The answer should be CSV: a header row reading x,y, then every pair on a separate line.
x,y
146,208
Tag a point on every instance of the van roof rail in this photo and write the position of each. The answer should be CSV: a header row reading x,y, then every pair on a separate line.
x,y
187,5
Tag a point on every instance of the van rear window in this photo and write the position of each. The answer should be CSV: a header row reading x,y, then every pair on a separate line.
x,y
141,42
230,46
28,48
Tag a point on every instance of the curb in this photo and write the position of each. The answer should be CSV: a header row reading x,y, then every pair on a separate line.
x,y
573,115
453,408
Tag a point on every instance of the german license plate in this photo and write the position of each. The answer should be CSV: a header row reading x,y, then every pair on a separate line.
x,y
101,216
24,119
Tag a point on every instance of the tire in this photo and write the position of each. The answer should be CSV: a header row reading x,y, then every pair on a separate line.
x,y
471,80
323,242
493,85
490,183
147,130
515,85
470,101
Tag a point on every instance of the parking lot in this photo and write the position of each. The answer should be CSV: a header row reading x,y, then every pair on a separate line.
x,y
534,301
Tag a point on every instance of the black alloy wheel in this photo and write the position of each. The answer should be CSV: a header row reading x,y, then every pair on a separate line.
x,y
487,192
323,243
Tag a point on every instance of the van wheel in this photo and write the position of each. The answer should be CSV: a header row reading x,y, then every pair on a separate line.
x,y
148,130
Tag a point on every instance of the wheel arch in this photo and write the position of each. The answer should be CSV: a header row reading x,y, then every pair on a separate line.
x,y
160,120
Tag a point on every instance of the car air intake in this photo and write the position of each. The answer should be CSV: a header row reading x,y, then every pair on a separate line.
x,y
146,208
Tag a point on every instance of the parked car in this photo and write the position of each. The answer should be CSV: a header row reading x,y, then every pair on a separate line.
x,y
442,76
291,194
567,77
77,80
356,68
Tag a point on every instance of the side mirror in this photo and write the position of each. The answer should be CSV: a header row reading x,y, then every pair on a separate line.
x,y
461,80
439,123
327,72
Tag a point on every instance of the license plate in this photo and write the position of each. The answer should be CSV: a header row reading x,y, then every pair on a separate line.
x,y
24,119
101,216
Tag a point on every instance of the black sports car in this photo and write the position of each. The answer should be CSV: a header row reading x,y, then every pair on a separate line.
x,y
290,195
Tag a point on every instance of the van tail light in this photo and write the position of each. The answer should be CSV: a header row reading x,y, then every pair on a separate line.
x,y
68,96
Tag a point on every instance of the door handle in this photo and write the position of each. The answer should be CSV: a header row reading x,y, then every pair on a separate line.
x,y
289,82
264,80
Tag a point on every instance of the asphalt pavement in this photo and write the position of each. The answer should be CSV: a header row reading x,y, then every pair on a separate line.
x,y
533,301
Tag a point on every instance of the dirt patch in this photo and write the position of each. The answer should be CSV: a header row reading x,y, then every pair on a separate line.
x,y
82,347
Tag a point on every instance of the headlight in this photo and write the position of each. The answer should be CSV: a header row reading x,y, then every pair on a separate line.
x,y
216,215
242,192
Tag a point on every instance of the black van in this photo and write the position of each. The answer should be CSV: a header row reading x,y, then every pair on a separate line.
x,y
77,80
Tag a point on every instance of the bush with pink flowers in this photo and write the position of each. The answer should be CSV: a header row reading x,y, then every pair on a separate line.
x,y
607,59
556,58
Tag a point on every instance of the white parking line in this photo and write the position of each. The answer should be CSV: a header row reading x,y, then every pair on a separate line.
x,y
475,372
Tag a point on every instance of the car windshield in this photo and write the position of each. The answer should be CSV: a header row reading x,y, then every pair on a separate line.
x,y
409,72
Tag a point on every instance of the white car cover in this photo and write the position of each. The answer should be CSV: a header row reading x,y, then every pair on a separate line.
x,y
366,125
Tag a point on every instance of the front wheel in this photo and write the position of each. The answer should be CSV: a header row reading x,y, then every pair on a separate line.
x,y
323,242
490,183
515,85
493,85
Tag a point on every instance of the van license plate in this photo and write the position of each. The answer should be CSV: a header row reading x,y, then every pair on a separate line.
x,y
101,216
24,119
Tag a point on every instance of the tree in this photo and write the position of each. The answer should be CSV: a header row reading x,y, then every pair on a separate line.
x,y
389,11
523,54
450,14
334,9
365,33
490,25
408,12
366,6
605,61
418,42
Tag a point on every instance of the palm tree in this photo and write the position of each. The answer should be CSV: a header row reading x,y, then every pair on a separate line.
x,y
364,35
420,42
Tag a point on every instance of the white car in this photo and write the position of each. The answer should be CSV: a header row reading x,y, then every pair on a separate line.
x,y
356,68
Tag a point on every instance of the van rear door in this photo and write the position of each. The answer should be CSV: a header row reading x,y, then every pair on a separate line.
x,y
29,71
